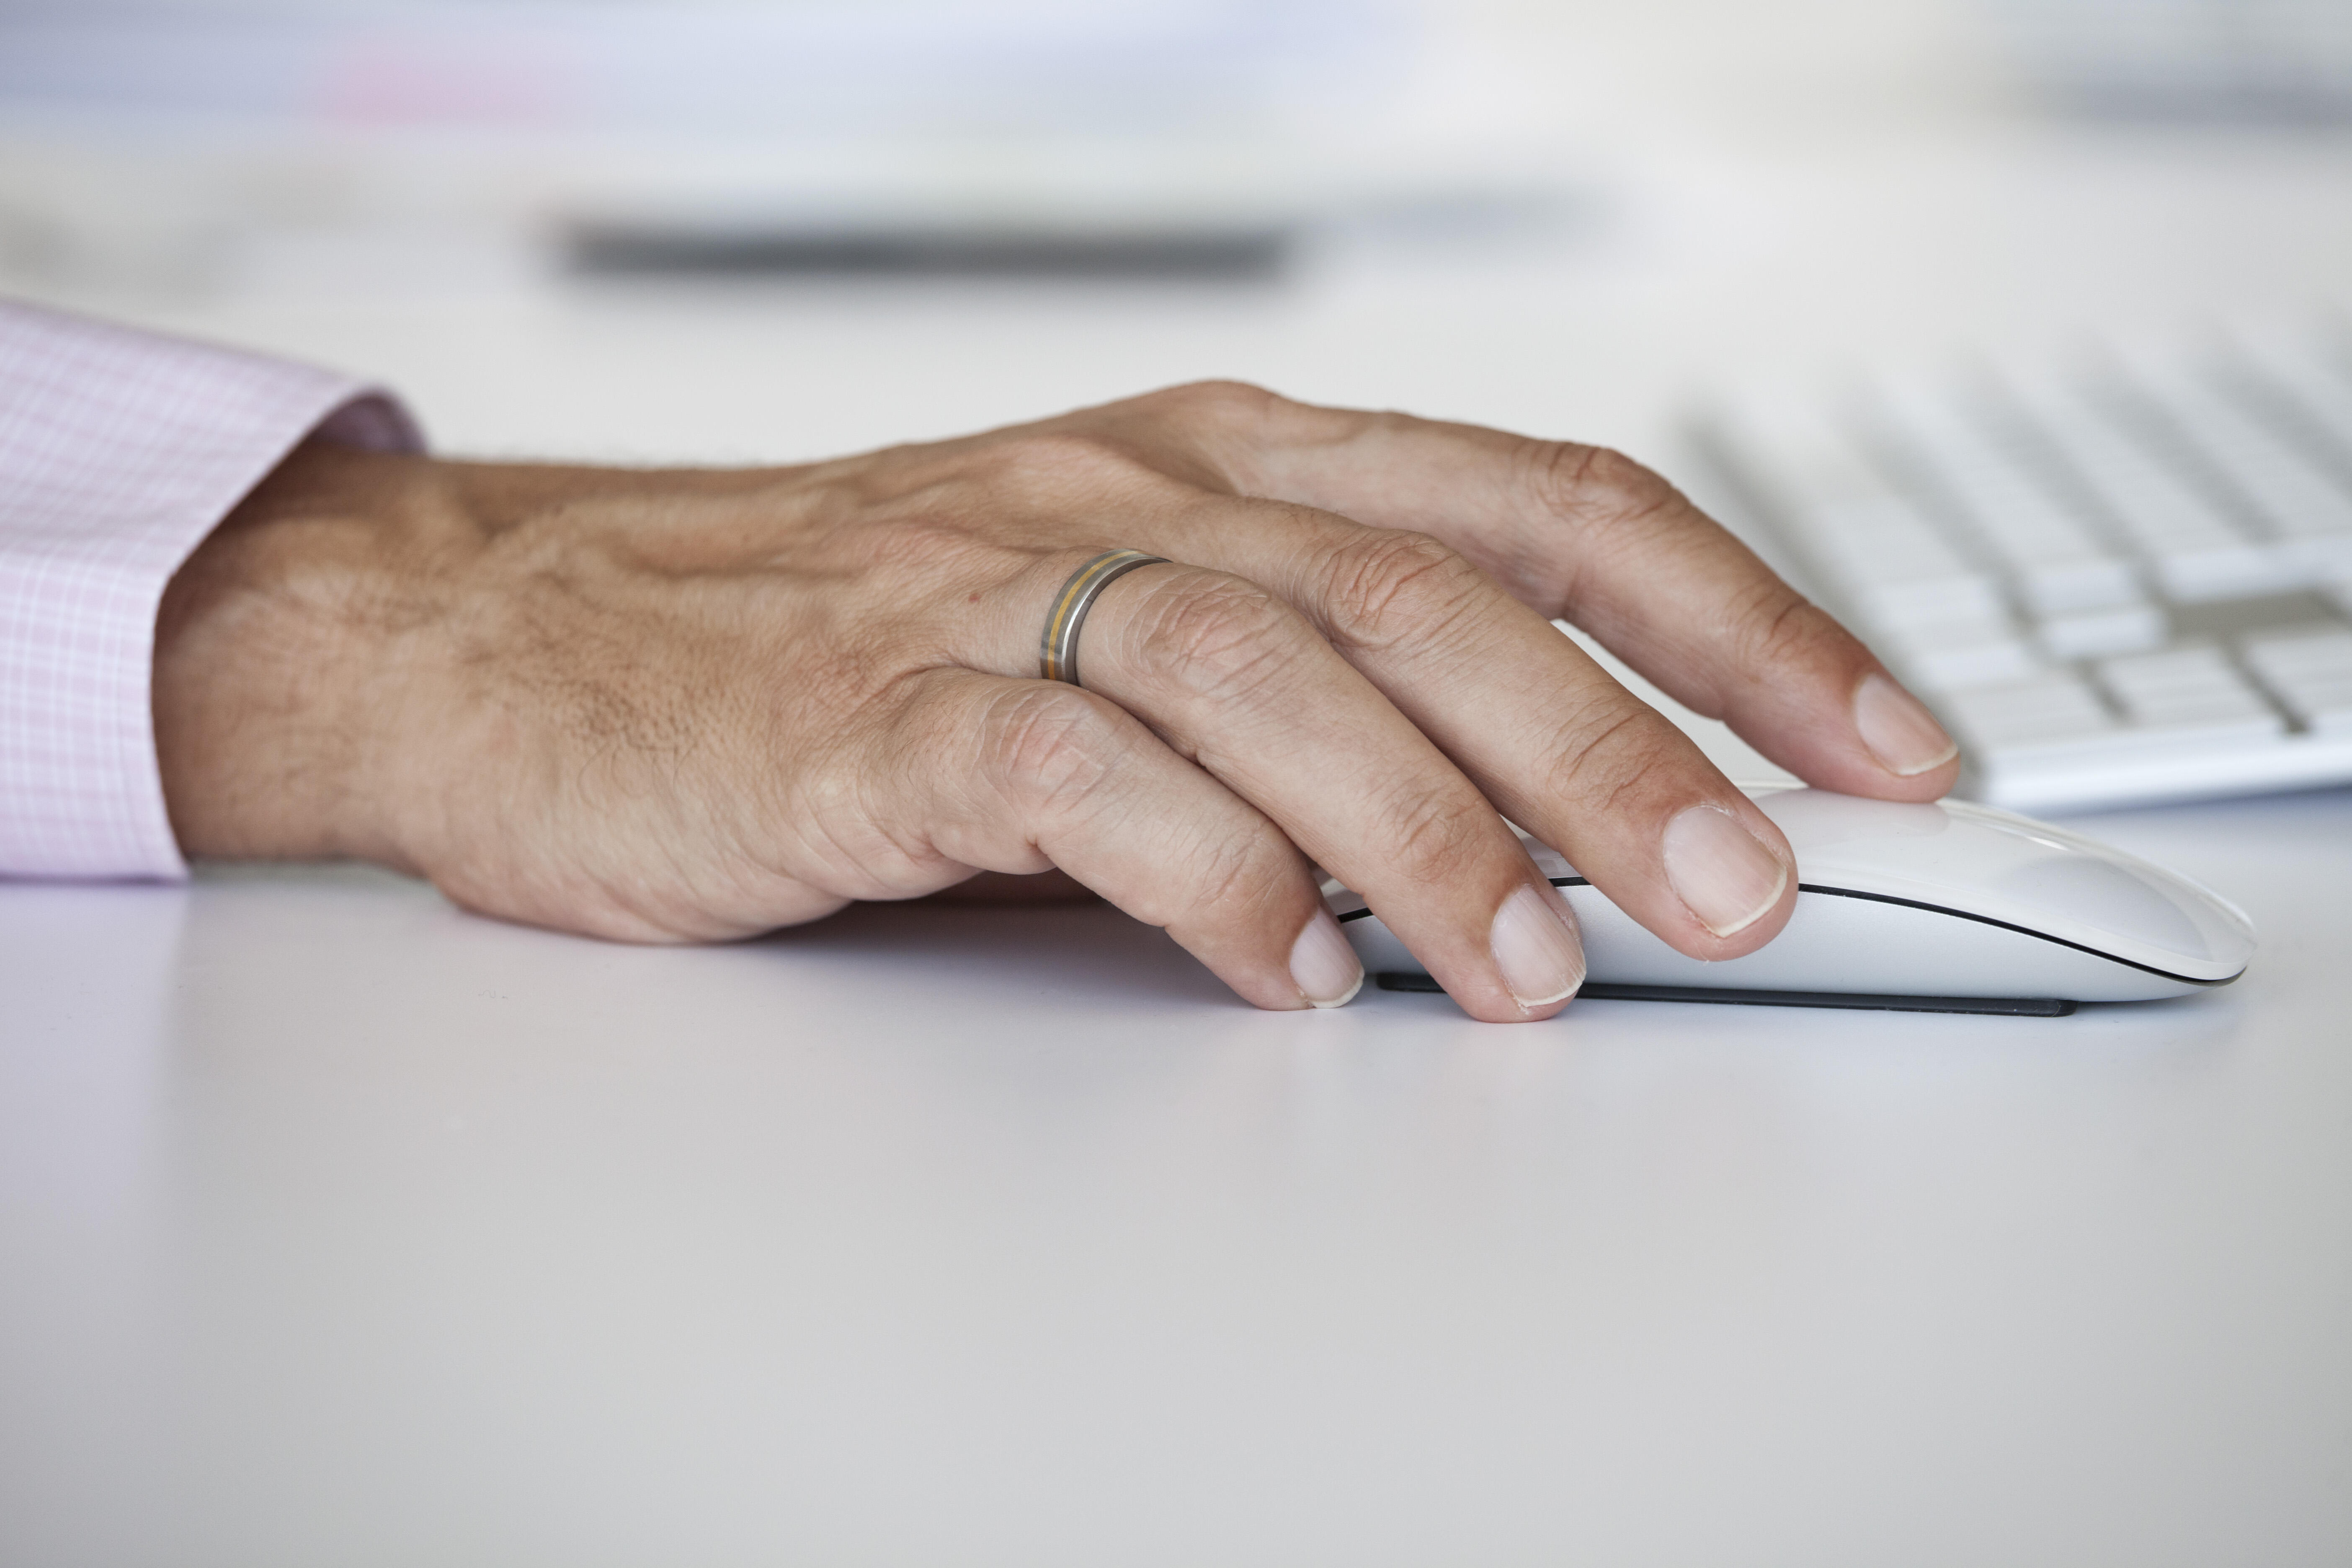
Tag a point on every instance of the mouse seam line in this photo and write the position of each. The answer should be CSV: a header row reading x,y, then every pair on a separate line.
x,y
2022,930
1932,908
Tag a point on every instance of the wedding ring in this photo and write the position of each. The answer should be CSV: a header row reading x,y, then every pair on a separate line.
x,y
1057,651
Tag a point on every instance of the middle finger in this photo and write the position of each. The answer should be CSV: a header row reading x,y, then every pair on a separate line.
x,y
1545,734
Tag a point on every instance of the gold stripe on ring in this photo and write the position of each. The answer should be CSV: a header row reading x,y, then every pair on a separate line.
x,y
1057,652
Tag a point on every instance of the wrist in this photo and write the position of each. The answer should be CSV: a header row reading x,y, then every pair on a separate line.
x,y
311,657
282,646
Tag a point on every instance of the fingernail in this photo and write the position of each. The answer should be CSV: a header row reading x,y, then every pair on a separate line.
x,y
1323,966
1537,948
1719,871
1898,729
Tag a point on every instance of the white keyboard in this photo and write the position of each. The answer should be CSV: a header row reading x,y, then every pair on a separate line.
x,y
2120,576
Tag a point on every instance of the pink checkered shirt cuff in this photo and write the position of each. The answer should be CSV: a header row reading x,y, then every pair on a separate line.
x,y
120,451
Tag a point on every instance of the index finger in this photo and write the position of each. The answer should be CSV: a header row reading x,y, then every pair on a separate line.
x,y
1585,534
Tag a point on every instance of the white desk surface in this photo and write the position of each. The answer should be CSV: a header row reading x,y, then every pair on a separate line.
x,y
342,1227
337,1228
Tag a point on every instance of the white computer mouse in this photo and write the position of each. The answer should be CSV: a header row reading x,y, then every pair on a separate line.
x,y
1949,907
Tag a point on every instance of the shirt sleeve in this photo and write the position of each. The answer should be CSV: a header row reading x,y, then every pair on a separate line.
x,y
120,451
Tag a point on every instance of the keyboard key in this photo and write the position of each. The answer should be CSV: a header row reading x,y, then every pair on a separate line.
x,y
1943,657
2311,673
2055,710
2306,400
2190,689
1891,565
2134,628
2291,493
2198,552
2039,545
1895,566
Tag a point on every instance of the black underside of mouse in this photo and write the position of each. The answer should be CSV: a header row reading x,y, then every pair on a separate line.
x,y
2008,1006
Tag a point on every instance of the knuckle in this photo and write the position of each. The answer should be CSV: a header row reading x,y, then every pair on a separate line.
x,y
1215,636
1597,486
1056,461
1428,835
1048,747
1392,586
1228,875
1774,627
1604,761
1235,402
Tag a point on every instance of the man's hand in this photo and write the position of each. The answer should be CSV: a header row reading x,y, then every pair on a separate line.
x,y
680,706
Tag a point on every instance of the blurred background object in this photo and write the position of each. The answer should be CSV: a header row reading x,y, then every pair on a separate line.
x,y
2261,60
1179,136
195,145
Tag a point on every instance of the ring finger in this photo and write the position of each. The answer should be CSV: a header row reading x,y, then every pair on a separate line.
x,y
1238,681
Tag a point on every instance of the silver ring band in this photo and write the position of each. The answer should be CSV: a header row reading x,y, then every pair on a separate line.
x,y
1057,651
